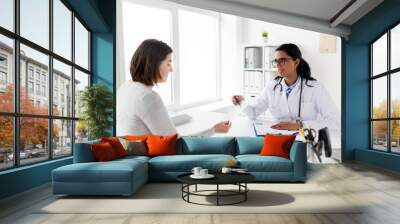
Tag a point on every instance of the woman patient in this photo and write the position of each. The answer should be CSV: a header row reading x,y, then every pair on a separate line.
x,y
140,110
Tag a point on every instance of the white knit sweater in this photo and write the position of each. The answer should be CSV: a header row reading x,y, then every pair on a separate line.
x,y
141,111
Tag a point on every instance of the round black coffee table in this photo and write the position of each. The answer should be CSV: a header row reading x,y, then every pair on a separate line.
x,y
238,179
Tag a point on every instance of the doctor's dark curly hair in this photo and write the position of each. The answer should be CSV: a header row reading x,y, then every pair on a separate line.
x,y
303,69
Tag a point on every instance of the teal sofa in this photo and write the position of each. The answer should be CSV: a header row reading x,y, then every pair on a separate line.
x,y
125,176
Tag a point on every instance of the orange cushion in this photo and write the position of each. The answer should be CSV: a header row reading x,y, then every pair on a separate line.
x,y
116,145
277,145
161,145
135,138
103,151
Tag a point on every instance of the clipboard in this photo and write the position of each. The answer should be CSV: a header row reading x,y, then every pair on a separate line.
x,y
263,127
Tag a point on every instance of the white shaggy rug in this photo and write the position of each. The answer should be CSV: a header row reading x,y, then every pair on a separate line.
x,y
166,198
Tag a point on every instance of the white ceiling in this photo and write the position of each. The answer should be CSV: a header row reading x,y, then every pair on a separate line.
x,y
313,15
319,9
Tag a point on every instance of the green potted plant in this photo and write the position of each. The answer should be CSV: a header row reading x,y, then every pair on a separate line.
x,y
96,102
264,36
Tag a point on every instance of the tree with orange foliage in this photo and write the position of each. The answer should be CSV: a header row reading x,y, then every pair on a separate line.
x,y
6,122
380,127
33,130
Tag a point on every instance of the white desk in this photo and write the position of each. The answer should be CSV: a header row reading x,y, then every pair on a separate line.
x,y
201,121
204,120
241,127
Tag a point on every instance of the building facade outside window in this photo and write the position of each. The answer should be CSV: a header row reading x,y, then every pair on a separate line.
x,y
52,134
30,87
3,72
3,78
3,61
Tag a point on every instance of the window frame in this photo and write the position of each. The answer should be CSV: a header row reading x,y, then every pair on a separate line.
x,y
388,74
16,115
177,105
175,77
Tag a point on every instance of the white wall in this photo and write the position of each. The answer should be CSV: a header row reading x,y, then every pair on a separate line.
x,y
325,67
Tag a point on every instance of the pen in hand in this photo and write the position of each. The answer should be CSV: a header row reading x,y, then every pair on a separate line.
x,y
236,100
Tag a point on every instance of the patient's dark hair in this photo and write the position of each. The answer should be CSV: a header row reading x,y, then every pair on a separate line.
x,y
146,61
303,69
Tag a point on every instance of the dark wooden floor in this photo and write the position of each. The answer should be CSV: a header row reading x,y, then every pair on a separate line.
x,y
377,188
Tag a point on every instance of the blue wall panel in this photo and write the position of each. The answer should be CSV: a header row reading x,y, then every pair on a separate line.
x,y
377,158
375,22
356,109
24,178
103,52
89,11
102,63
102,59
357,100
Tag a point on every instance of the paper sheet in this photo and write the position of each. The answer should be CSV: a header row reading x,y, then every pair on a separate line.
x,y
236,111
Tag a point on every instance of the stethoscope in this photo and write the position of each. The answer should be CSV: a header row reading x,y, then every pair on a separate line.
x,y
298,119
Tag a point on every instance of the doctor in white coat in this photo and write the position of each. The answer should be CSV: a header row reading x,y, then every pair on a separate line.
x,y
294,98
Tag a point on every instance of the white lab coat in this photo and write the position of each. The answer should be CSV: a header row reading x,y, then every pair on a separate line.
x,y
317,108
